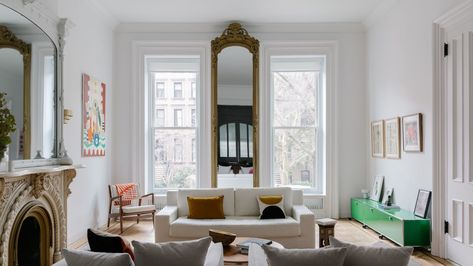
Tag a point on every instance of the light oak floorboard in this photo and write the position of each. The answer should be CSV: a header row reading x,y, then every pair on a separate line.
x,y
346,230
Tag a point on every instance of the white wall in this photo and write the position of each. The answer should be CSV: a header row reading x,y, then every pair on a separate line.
x,y
88,50
399,79
351,98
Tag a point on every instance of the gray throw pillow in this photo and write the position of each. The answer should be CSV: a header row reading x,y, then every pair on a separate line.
x,y
304,257
189,253
81,258
372,255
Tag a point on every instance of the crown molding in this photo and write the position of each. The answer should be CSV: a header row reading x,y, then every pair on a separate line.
x,y
253,28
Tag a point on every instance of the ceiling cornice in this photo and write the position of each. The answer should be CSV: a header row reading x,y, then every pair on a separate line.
x,y
253,28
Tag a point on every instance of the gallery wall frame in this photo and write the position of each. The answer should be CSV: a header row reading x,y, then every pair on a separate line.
x,y
412,133
392,133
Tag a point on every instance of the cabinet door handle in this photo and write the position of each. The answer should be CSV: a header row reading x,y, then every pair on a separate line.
x,y
371,209
390,218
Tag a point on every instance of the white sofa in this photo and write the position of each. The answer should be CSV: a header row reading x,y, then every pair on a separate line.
x,y
241,217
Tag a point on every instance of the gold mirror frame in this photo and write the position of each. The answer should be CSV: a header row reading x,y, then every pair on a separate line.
x,y
235,35
9,40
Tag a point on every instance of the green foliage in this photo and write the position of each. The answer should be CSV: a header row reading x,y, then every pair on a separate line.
x,y
7,124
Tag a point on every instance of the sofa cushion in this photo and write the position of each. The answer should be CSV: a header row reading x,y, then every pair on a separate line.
x,y
205,207
250,226
246,203
190,253
100,241
228,201
81,258
305,257
373,255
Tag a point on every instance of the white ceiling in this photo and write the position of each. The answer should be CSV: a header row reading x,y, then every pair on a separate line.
x,y
247,11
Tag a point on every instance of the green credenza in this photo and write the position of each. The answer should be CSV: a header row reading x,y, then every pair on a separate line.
x,y
400,226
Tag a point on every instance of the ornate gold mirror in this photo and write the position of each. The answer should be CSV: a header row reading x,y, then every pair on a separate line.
x,y
235,97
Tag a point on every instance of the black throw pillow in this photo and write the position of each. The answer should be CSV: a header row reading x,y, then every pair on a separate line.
x,y
100,241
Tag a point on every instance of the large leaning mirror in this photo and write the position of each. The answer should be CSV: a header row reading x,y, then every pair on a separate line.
x,y
235,109
28,77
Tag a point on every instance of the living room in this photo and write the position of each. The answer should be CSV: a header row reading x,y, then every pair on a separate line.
x,y
338,100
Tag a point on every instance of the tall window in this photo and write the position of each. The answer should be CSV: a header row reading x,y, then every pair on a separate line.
x,y
177,89
297,121
160,117
174,141
193,89
160,89
178,117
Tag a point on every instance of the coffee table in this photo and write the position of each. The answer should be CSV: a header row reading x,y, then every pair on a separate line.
x,y
232,255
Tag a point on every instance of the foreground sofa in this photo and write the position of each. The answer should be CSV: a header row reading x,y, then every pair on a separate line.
x,y
241,217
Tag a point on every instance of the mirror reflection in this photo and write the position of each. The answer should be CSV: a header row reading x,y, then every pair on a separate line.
x,y
28,76
235,117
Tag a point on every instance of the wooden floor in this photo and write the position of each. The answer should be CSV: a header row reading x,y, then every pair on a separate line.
x,y
345,230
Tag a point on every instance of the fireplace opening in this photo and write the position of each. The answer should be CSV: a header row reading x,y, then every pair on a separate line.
x,y
29,243
31,238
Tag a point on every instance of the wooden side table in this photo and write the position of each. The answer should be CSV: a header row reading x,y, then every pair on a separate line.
x,y
326,229
232,255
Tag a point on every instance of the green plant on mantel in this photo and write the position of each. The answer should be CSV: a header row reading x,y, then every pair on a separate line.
x,y
7,124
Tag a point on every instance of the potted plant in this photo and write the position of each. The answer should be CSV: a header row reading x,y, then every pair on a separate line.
x,y
7,125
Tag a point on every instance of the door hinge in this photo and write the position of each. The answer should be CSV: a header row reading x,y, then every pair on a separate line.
x,y
445,49
445,227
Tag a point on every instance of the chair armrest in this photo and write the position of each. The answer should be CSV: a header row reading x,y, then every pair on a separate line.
x,y
256,256
112,199
168,213
301,212
145,196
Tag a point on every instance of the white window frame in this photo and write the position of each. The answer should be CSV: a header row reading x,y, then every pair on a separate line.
x,y
329,49
140,139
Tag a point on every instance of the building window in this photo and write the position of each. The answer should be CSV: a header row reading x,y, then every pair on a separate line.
x,y
160,117
297,121
177,89
173,142
193,118
193,90
160,90
178,117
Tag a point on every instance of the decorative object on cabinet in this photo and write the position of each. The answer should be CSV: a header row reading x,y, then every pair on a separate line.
x,y
412,133
388,197
93,117
392,134
7,125
398,225
422,203
67,115
377,188
377,139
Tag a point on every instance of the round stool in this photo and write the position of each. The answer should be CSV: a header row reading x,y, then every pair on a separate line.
x,y
326,229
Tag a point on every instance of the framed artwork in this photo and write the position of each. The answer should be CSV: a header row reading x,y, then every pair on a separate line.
x,y
93,116
422,203
392,133
412,134
377,139
377,188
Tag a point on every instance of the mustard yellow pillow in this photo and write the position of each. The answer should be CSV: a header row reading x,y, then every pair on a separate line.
x,y
205,207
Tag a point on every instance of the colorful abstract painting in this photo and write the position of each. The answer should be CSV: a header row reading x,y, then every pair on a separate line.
x,y
93,117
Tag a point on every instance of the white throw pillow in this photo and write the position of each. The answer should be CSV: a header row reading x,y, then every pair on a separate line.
x,y
246,170
223,170
271,206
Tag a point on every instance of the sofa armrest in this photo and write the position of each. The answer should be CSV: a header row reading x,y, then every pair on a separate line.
x,y
256,256
306,219
301,213
214,255
162,223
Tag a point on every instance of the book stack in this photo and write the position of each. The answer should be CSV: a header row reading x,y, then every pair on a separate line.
x,y
245,245
386,207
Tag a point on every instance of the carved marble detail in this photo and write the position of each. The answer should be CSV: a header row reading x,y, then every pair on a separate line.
x,y
48,189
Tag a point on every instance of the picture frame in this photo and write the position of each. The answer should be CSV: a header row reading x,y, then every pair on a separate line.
x,y
93,116
412,133
422,203
377,139
377,189
392,133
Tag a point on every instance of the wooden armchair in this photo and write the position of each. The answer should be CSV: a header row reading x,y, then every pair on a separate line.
x,y
125,201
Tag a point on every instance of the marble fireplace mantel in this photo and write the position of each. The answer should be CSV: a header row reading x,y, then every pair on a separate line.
x,y
45,187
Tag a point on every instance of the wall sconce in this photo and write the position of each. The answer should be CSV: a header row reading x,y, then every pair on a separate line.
x,y
67,115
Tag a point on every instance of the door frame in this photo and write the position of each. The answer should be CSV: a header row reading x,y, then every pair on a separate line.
x,y
450,20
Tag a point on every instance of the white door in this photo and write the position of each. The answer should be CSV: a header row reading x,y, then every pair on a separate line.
x,y
459,107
